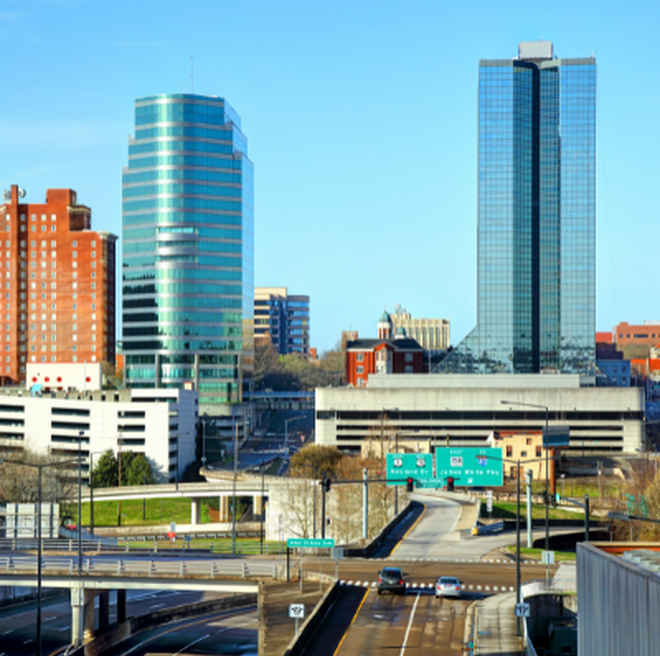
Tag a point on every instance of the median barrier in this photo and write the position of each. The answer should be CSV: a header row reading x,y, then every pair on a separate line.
x,y
485,529
368,550
315,619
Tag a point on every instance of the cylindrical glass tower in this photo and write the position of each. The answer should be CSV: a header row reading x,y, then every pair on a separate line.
x,y
188,242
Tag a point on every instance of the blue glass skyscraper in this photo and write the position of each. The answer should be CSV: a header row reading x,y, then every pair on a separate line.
x,y
537,217
188,273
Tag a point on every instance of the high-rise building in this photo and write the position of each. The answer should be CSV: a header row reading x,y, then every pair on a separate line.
x,y
283,317
188,217
58,284
537,217
432,334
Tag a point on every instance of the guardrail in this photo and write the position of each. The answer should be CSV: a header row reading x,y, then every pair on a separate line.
x,y
65,566
551,586
155,544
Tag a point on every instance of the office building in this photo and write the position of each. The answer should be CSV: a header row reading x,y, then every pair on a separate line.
x,y
431,334
188,216
58,284
636,341
283,317
536,217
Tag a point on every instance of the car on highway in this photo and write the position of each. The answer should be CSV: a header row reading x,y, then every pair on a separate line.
x,y
447,586
392,579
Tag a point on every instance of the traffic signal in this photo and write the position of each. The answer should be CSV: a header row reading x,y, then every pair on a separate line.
x,y
410,484
450,484
326,484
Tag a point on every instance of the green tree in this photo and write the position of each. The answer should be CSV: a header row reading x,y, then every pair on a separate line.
x,y
135,470
106,471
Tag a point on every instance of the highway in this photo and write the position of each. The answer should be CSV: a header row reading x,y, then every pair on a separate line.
x,y
17,635
426,546
229,632
364,623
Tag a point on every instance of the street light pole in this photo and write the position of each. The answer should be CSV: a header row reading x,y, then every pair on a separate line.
x,y
39,535
80,437
233,499
529,519
547,465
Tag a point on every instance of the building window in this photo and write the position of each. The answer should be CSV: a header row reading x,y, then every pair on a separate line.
x,y
359,369
509,451
360,357
538,451
409,357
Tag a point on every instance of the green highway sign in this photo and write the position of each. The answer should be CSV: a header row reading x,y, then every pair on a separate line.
x,y
469,466
310,543
409,465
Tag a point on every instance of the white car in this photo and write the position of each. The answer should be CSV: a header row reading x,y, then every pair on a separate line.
x,y
447,586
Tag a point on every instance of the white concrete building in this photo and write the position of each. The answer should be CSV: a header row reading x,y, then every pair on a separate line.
x,y
424,410
159,423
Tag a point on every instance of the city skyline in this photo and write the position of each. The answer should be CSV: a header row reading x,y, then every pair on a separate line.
x,y
336,195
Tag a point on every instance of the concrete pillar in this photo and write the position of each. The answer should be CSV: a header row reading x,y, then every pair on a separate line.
x,y
77,604
121,605
224,509
195,511
258,504
88,615
104,610
82,614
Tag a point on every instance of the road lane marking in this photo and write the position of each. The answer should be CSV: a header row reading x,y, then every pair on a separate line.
x,y
410,529
8,632
190,644
410,621
357,612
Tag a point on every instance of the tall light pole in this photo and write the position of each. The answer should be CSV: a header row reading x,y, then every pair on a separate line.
x,y
39,540
546,439
518,462
80,438
233,498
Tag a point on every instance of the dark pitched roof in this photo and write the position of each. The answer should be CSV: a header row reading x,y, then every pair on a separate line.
x,y
406,344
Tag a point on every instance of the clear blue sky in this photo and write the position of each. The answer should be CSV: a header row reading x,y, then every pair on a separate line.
x,y
361,121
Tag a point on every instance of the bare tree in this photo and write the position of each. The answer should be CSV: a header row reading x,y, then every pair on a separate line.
x,y
19,483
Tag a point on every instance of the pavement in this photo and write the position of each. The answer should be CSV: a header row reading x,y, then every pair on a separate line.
x,y
492,627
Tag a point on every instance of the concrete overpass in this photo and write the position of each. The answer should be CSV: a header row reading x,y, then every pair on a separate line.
x,y
223,488
100,576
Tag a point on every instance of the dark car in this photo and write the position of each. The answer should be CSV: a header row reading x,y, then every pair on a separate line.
x,y
392,579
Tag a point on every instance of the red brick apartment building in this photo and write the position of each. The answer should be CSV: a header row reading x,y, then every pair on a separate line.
x,y
57,284
386,356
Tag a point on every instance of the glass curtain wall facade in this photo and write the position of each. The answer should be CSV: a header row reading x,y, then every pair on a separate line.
x,y
188,217
537,218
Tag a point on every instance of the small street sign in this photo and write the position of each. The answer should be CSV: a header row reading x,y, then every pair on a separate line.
x,y
171,535
522,610
310,543
297,611
338,553
172,527
548,557
489,501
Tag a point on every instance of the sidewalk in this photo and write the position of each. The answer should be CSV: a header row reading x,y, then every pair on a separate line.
x,y
495,626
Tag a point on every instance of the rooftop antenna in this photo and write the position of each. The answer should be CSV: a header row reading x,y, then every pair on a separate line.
x,y
192,74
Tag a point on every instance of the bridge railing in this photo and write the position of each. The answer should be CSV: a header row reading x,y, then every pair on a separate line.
x,y
68,566
161,544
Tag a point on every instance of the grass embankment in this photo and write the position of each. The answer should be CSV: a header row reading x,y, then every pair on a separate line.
x,y
535,554
507,510
156,512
